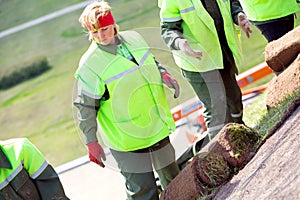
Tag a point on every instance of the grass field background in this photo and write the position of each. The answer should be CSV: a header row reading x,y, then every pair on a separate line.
x,y
41,108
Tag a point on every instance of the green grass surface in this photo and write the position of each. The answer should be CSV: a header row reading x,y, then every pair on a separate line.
x,y
41,108
19,12
262,120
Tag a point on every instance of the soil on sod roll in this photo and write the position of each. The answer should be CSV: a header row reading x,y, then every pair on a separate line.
x,y
209,170
280,53
213,169
185,186
236,144
284,85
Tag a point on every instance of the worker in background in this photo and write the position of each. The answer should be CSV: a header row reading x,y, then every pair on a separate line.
x,y
25,174
120,86
205,45
273,18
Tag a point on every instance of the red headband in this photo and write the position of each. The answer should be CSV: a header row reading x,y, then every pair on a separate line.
x,y
103,21
106,20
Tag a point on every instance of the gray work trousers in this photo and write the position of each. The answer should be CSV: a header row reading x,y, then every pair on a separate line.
x,y
136,167
221,96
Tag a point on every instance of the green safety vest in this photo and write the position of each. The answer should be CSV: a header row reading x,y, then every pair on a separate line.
x,y
263,10
20,154
136,115
200,31
159,2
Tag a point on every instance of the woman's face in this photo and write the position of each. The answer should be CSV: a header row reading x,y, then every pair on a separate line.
x,y
105,35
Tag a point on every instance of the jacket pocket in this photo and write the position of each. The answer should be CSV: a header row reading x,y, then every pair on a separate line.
x,y
24,186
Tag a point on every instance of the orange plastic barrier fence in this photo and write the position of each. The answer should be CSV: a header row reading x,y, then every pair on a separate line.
x,y
244,79
253,74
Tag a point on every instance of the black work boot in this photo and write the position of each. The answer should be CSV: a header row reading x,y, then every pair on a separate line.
x,y
238,120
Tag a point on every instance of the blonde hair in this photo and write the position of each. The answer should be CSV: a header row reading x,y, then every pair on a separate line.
x,y
91,13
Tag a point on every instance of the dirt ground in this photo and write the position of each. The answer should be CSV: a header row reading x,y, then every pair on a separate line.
x,y
273,173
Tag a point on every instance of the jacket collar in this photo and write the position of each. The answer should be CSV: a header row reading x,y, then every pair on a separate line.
x,y
112,48
4,162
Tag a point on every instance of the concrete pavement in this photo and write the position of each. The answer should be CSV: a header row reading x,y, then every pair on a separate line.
x,y
83,180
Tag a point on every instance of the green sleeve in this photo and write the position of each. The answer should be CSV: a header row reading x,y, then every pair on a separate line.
x,y
91,83
87,114
34,161
236,8
170,32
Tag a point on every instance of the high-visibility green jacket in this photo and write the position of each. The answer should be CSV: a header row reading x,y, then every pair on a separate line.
x,y
264,10
25,174
159,2
199,29
136,115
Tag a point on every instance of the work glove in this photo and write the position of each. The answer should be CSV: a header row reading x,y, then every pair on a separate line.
x,y
171,83
187,50
96,153
244,24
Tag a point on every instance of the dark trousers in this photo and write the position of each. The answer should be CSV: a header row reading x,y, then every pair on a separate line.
x,y
136,167
220,94
273,30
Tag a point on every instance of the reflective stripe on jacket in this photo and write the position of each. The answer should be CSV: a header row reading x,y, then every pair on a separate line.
x,y
199,30
264,10
136,115
25,174
25,156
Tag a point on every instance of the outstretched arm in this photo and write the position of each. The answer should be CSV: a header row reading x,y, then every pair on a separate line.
x,y
171,33
240,18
